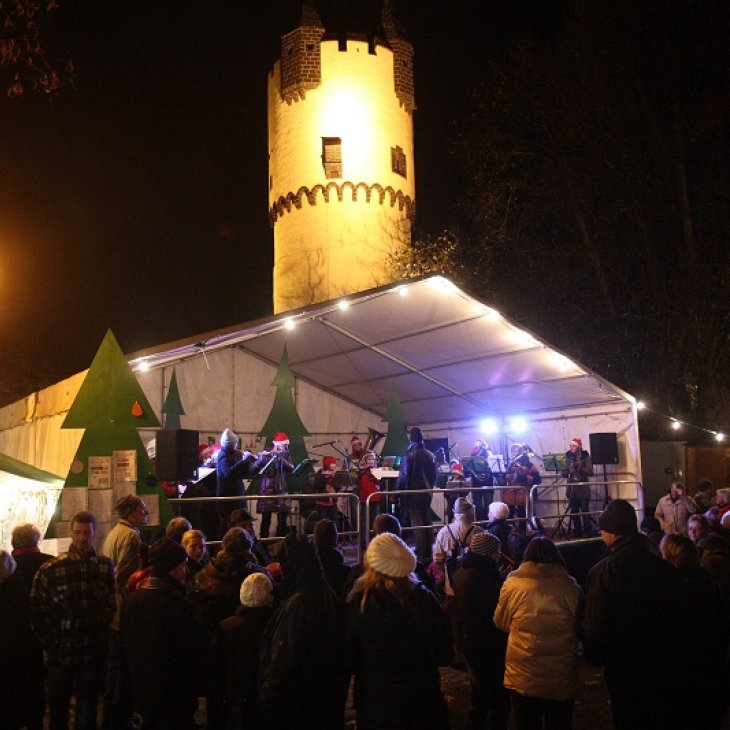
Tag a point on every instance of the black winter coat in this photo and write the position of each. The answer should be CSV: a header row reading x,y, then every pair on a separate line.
x,y
395,651
477,584
417,471
633,625
164,646
302,679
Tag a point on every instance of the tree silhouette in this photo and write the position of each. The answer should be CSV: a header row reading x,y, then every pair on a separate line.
x,y
110,406
173,407
396,441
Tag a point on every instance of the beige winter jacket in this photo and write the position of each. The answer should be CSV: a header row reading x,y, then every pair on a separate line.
x,y
537,607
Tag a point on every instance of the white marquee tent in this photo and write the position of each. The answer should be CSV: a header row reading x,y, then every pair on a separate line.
x,y
452,360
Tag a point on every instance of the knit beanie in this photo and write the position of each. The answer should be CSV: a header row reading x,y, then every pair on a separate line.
x,y
618,518
484,543
166,554
389,555
498,511
256,591
228,438
236,541
462,506
127,504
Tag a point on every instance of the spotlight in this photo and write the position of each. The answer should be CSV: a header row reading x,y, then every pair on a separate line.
x,y
640,405
518,424
489,426
676,425
343,305
719,436
143,366
289,323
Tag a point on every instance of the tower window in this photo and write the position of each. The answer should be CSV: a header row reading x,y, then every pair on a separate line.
x,y
398,161
332,156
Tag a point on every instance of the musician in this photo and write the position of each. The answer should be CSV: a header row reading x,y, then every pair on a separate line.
x,y
580,468
231,467
277,463
522,473
367,485
324,481
456,479
481,476
356,452
418,471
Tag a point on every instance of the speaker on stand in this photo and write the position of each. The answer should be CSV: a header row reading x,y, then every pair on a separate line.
x,y
604,450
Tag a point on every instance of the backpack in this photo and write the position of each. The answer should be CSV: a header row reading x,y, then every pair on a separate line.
x,y
455,556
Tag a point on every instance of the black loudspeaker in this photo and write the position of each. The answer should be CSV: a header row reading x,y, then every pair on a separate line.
x,y
604,448
177,455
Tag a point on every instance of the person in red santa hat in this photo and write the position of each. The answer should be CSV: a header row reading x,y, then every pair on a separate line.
x,y
275,463
356,452
367,485
324,482
456,479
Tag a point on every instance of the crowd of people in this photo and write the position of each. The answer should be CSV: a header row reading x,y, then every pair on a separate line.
x,y
273,640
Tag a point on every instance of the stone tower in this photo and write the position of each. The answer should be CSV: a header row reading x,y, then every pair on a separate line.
x,y
341,175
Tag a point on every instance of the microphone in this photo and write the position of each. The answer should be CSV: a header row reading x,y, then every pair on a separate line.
x,y
326,443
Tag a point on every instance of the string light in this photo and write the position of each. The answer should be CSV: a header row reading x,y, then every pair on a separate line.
x,y
676,424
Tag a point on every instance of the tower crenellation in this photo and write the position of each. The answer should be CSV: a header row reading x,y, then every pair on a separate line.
x,y
341,174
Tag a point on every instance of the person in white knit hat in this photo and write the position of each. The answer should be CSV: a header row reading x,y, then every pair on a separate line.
x,y
393,621
240,636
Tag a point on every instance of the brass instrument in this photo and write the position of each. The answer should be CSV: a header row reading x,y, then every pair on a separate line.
x,y
374,438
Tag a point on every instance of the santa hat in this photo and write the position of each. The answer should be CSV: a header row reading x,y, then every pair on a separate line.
x,y
280,438
389,555
329,463
355,438
457,470
576,442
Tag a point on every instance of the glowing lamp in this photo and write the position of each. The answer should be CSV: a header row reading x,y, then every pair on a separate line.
x,y
143,366
289,323
640,405
518,424
343,305
719,436
676,425
489,426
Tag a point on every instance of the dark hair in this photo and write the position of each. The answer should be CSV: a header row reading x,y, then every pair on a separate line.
x,y
680,551
543,550
650,524
325,534
386,523
84,517
177,527
704,484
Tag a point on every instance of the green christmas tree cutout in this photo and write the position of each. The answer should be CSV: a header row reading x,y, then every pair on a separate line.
x,y
110,406
396,441
173,407
284,417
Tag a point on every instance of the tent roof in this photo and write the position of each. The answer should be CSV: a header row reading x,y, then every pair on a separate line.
x,y
449,356
26,471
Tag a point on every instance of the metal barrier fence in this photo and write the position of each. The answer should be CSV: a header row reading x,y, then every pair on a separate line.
x,y
534,498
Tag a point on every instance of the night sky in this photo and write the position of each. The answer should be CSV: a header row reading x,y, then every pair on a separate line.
x,y
137,201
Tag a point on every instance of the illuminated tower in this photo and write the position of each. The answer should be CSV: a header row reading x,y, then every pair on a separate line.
x,y
341,175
